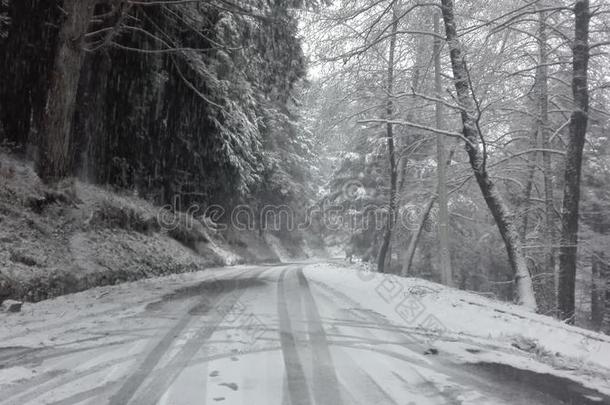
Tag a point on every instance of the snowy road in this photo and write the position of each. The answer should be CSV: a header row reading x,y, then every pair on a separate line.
x,y
246,335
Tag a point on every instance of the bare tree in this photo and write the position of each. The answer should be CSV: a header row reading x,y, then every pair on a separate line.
x,y
605,326
598,271
571,194
476,149
387,237
549,205
443,213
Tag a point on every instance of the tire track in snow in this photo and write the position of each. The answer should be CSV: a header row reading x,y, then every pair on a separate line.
x,y
325,381
150,362
82,396
163,379
296,381
351,374
466,380
41,385
64,376
57,379
384,325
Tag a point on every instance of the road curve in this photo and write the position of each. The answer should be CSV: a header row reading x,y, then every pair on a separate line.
x,y
253,335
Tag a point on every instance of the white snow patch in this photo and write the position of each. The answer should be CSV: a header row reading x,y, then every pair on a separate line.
x,y
441,316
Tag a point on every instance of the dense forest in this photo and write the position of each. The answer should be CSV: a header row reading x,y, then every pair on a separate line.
x,y
193,99
521,88
463,142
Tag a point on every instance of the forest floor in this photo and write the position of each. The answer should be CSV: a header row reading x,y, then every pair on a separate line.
x,y
78,236
300,333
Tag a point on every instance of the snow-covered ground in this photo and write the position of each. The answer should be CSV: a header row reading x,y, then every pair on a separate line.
x,y
457,322
302,334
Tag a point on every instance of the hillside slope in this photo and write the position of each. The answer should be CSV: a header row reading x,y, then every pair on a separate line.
x,y
58,241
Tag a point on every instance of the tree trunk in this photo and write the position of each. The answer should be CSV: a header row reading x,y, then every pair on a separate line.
x,y
387,237
549,206
529,185
598,289
502,215
25,68
443,212
606,297
54,159
532,165
571,194
410,253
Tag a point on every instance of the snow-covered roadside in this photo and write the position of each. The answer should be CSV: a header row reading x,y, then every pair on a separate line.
x,y
45,323
475,329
